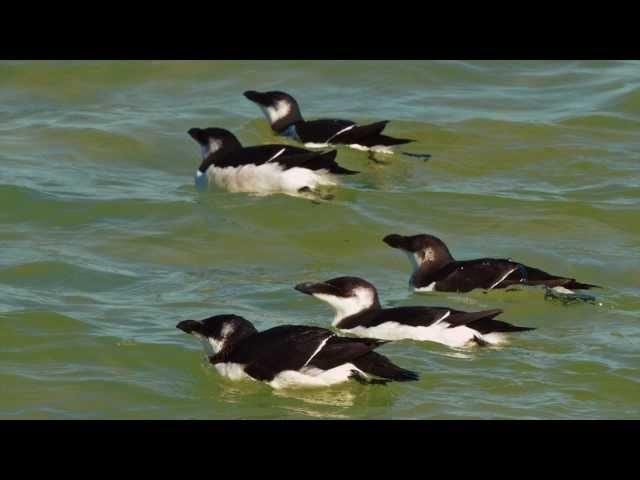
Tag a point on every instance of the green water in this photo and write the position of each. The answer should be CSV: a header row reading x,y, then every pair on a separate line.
x,y
106,244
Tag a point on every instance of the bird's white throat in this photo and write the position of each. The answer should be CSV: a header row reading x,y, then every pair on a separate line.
x,y
360,299
277,111
211,345
212,147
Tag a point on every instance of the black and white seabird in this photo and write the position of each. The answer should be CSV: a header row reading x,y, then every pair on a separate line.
x,y
284,116
358,311
264,168
291,356
434,268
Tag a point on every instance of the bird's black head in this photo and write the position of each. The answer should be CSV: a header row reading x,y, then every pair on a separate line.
x,y
347,295
280,108
213,141
420,248
219,332
266,99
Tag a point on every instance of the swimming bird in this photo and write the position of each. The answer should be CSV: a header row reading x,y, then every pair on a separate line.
x,y
264,168
283,113
291,356
358,311
434,268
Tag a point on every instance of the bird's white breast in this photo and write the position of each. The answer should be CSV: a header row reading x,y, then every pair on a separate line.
x,y
439,332
267,178
232,371
312,377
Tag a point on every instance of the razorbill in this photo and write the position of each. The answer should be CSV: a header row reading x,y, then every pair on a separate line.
x,y
291,356
358,311
434,268
264,168
284,116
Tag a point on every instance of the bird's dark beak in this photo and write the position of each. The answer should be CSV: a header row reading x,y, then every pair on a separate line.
x,y
196,134
189,326
306,288
257,97
396,241
311,288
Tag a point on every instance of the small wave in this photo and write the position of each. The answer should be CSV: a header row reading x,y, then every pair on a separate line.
x,y
58,275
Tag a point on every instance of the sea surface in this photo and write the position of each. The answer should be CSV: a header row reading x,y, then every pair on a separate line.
x,y
106,244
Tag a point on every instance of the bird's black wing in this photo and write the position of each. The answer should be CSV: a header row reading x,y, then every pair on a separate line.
x,y
292,347
287,347
258,155
490,273
368,136
464,276
533,276
339,350
411,316
360,133
320,131
286,156
314,161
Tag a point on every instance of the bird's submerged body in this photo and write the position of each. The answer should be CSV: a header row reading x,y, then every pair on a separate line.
x,y
443,333
435,269
358,312
268,178
326,133
291,356
442,325
262,169
487,274
284,116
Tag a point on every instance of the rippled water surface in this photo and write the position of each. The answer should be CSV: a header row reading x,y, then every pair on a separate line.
x,y
106,244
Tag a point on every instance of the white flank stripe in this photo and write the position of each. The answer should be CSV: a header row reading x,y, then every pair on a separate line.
x,y
322,344
341,131
442,318
429,288
316,145
505,276
561,289
276,155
